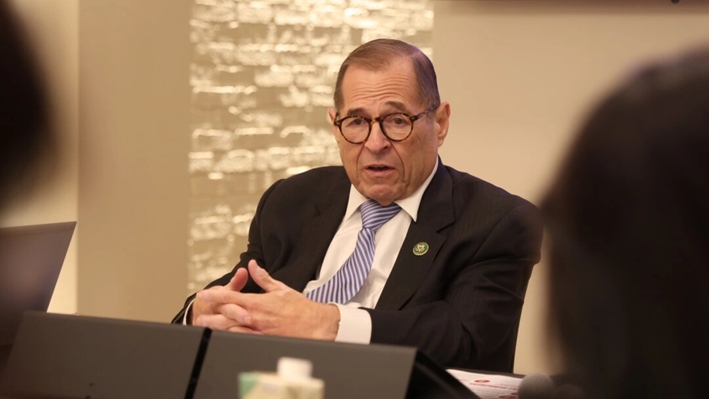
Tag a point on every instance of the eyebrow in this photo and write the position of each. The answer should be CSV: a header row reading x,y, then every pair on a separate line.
x,y
397,105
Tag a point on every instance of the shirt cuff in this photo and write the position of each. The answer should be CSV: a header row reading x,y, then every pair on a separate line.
x,y
187,312
355,325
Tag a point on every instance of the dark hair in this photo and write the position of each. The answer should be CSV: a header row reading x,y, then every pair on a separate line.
x,y
629,229
25,136
379,54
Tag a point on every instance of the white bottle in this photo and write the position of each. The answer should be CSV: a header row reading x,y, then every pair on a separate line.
x,y
292,381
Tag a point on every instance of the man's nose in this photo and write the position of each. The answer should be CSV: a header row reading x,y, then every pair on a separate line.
x,y
377,141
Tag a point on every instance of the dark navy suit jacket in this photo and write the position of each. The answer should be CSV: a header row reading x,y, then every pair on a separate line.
x,y
460,302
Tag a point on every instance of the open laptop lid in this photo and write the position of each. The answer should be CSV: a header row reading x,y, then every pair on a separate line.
x,y
31,258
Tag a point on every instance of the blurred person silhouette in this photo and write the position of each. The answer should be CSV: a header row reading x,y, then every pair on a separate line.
x,y
628,222
27,151
27,144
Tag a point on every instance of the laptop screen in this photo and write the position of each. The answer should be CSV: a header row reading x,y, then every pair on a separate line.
x,y
31,258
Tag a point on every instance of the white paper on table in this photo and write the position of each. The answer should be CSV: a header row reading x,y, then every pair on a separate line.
x,y
488,386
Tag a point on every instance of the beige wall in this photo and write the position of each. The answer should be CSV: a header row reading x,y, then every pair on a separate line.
x,y
118,74
520,75
134,127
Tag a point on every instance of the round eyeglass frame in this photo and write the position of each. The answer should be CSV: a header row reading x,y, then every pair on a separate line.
x,y
379,120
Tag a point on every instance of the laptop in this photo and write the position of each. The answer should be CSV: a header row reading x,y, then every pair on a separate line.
x,y
350,371
31,258
78,357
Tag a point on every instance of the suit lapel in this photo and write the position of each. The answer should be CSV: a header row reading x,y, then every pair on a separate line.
x,y
315,237
435,213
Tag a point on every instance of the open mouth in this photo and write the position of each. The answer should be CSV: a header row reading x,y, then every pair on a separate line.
x,y
378,168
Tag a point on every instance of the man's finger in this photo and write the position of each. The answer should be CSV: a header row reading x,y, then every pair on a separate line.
x,y
219,295
263,279
236,313
215,322
245,330
239,280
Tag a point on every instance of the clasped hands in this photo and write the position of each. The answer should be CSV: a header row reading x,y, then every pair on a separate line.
x,y
280,310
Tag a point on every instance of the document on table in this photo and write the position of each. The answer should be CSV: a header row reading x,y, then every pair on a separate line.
x,y
488,386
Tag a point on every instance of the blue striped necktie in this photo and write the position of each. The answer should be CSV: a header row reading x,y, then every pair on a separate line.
x,y
350,278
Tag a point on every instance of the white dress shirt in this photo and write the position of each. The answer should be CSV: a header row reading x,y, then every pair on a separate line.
x,y
356,324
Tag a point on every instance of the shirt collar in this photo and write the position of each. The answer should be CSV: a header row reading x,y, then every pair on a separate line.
x,y
410,204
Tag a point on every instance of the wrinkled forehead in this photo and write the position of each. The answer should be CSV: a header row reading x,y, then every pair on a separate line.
x,y
379,64
396,84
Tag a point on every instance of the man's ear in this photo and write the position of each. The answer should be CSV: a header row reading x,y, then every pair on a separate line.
x,y
442,119
331,113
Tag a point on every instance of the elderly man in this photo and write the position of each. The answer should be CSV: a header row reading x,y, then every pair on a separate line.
x,y
393,247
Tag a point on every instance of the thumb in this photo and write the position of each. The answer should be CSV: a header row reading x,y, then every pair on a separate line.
x,y
263,279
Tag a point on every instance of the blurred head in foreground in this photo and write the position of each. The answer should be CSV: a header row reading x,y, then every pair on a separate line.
x,y
629,232
26,141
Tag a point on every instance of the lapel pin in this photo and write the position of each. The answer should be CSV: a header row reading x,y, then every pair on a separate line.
x,y
420,248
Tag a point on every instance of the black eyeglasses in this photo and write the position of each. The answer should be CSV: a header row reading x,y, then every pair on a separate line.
x,y
395,127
